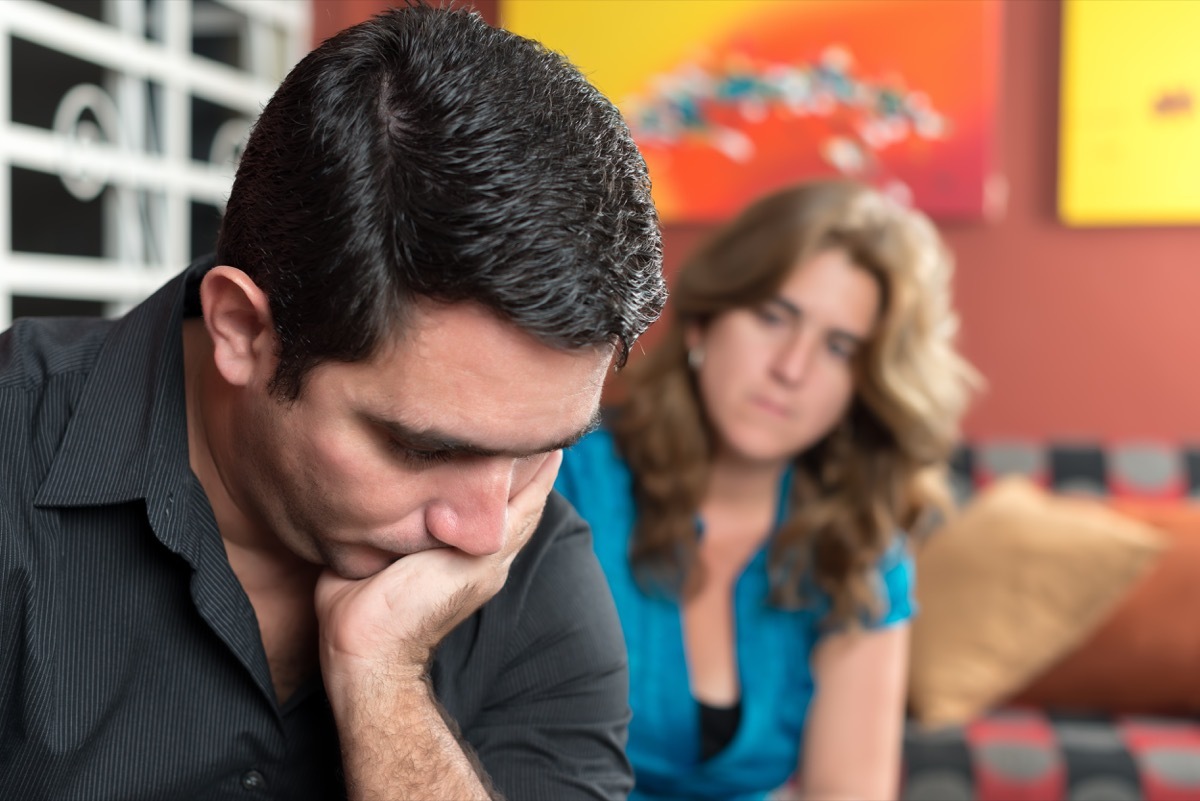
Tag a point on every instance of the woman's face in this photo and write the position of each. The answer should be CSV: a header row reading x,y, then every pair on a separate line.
x,y
776,378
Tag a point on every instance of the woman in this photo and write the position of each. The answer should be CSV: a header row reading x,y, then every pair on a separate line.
x,y
749,498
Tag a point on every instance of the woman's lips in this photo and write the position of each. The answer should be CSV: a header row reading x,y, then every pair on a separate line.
x,y
772,407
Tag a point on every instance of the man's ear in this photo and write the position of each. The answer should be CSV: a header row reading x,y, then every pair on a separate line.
x,y
237,316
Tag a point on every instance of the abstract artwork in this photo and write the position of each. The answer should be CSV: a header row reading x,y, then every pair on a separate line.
x,y
729,99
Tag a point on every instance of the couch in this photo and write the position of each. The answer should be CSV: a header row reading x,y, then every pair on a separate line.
x,y
1057,615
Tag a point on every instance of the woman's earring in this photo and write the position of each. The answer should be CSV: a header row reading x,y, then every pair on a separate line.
x,y
695,357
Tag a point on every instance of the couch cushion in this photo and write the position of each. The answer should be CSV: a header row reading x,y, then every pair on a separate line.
x,y
1009,587
1145,657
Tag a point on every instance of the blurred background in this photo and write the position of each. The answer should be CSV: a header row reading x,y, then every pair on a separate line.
x,y
121,122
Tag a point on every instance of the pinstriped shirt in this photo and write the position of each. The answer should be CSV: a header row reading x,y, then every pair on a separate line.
x,y
131,664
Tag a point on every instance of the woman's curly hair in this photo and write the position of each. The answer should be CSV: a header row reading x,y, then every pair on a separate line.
x,y
883,468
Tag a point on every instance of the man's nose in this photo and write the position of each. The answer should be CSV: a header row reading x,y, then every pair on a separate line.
x,y
471,512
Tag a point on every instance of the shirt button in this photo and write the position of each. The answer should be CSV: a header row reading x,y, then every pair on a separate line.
x,y
253,780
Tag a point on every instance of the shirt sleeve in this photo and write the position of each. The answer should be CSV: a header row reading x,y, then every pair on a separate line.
x,y
896,582
555,718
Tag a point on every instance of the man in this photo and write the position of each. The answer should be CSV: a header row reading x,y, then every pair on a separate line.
x,y
249,532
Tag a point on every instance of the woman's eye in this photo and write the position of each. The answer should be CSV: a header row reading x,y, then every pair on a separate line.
x,y
842,349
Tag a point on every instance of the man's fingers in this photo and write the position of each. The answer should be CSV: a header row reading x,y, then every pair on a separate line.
x,y
420,597
534,493
525,508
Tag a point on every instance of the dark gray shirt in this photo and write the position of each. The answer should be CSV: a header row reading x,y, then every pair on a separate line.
x,y
131,664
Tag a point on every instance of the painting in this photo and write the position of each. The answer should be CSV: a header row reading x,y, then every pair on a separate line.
x,y
1129,122
730,99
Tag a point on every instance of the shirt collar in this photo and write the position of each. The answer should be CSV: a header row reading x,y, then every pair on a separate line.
x,y
127,438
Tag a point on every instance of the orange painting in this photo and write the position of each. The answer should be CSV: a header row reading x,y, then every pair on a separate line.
x,y
729,99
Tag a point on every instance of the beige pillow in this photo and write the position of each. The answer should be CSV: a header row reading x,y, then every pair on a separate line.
x,y
1010,586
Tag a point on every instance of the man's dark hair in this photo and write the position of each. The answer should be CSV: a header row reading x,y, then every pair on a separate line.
x,y
424,153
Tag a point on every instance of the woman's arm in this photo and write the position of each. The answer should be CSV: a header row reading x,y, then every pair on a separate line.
x,y
855,724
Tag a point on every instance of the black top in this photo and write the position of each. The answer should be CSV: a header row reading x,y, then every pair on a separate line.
x,y
718,725
131,664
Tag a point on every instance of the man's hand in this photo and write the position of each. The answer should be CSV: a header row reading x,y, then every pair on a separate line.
x,y
390,623
377,636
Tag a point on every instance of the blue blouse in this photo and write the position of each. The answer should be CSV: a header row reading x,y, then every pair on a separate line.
x,y
773,649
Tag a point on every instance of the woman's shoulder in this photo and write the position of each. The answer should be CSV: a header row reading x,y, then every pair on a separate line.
x,y
593,464
598,483
895,580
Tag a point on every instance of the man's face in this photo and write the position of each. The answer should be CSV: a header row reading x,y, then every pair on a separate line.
x,y
420,447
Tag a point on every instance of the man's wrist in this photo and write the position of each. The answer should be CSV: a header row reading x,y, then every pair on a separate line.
x,y
388,684
397,740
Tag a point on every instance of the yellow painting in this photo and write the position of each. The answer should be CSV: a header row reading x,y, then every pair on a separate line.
x,y
1129,150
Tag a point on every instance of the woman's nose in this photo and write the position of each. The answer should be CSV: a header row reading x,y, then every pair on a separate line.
x,y
795,358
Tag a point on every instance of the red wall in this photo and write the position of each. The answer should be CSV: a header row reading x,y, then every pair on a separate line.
x,y
330,16
1080,332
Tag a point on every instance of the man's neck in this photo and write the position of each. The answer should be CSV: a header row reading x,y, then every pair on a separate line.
x,y
278,583
260,560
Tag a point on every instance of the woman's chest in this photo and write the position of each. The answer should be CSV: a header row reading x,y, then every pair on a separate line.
x,y
771,647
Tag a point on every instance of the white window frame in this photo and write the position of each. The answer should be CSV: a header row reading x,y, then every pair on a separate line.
x,y
115,159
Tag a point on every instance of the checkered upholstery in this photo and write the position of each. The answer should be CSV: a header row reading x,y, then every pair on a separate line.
x,y
1023,755
1126,469
1027,754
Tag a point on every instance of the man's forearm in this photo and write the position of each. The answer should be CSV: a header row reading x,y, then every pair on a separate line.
x,y
396,743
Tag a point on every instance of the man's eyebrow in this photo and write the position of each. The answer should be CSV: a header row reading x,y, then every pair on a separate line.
x,y
435,441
